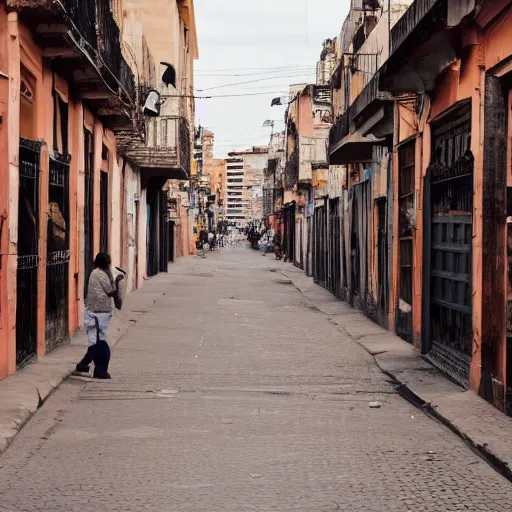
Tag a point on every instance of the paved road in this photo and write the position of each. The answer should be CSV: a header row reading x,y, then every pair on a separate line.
x,y
230,392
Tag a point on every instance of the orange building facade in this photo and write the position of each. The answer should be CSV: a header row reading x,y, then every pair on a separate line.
x,y
452,144
423,132
70,105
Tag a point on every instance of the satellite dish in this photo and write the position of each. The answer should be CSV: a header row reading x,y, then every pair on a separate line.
x,y
152,104
169,76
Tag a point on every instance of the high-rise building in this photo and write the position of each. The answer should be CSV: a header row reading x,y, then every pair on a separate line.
x,y
244,185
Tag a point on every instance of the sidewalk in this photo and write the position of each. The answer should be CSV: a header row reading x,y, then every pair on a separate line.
x,y
24,392
477,422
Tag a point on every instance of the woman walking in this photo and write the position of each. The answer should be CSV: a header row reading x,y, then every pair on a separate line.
x,y
101,290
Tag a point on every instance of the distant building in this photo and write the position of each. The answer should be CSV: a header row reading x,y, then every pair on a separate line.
x,y
244,185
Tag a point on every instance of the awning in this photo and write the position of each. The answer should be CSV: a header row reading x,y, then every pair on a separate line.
x,y
354,148
169,173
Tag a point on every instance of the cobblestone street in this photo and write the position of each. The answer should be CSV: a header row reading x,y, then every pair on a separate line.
x,y
233,393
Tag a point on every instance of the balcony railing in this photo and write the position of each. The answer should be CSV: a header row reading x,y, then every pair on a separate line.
x,y
408,22
165,153
340,129
87,34
83,15
369,94
109,38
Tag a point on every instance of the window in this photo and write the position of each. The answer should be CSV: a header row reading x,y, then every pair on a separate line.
x,y
406,217
234,167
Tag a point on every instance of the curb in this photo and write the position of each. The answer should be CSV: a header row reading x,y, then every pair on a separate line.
x,y
426,407
431,410
29,406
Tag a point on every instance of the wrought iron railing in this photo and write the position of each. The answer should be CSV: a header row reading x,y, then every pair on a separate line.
x,y
127,79
339,129
109,45
369,94
83,15
408,22
184,143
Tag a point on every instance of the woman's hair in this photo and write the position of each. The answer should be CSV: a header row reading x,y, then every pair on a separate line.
x,y
102,261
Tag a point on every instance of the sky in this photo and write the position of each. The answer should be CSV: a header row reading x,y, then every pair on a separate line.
x,y
269,43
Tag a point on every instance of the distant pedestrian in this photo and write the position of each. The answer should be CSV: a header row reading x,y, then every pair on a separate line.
x,y
101,290
203,240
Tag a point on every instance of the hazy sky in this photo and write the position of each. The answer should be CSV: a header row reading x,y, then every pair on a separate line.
x,y
256,39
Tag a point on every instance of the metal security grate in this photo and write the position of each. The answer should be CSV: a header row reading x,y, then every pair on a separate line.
x,y
27,260
448,330
451,362
57,263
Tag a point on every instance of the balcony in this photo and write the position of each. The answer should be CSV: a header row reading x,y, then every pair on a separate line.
x,y
370,100
366,123
82,39
166,152
409,22
423,44
339,129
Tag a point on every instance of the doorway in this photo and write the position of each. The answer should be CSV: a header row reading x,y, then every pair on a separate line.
x,y
448,331
28,258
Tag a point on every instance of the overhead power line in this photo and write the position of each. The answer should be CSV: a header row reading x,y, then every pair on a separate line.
x,y
277,68
233,95
253,81
261,73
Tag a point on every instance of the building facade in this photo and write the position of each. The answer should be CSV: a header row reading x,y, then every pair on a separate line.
x,y
72,181
208,184
411,216
244,186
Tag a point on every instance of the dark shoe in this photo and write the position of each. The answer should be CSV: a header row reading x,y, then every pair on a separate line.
x,y
102,376
82,369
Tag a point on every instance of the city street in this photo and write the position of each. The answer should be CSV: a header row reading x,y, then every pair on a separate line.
x,y
232,392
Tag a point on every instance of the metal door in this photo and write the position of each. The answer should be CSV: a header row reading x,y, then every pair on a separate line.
x,y
28,259
57,265
447,330
382,248
171,241
289,233
355,269
335,247
320,270
164,232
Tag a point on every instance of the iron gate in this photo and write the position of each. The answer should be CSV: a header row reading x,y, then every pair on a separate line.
x,y
164,248
309,243
361,229
335,247
320,267
28,259
382,248
289,233
447,326
57,266
88,209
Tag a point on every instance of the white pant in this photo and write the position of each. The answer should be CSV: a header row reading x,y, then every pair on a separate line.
x,y
90,326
